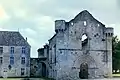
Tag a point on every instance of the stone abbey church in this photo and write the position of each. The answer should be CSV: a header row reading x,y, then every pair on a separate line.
x,y
80,49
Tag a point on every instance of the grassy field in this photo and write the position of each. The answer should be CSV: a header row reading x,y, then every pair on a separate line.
x,y
116,75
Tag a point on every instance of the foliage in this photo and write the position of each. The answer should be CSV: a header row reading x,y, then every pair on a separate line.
x,y
116,53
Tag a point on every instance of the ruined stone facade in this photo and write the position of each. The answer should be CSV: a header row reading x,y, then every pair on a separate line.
x,y
14,55
35,67
39,66
72,57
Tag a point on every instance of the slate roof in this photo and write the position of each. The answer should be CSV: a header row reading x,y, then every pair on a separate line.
x,y
12,38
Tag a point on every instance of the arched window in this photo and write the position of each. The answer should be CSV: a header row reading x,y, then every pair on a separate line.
x,y
84,39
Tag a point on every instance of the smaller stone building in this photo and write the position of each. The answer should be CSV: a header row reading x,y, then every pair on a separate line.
x,y
39,66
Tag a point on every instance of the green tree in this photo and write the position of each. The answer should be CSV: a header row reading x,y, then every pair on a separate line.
x,y
116,53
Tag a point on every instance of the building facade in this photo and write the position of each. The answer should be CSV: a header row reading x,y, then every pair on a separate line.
x,y
80,49
14,55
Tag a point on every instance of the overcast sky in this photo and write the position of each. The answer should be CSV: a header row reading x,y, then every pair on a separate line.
x,y
35,18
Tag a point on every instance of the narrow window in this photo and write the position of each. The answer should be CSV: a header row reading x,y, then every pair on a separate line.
x,y
22,71
98,25
85,23
84,40
75,32
23,50
1,60
11,60
1,50
12,50
23,60
55,53
72,23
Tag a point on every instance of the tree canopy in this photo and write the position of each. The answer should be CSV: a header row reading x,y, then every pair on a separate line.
x,y
116,53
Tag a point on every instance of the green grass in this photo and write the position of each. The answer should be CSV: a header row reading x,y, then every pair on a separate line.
x,y
116,75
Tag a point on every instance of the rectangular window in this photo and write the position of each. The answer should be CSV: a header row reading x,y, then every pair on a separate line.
x,y
23,50
1,50
1,60
55,53
11,60
12,50
23,60
22,71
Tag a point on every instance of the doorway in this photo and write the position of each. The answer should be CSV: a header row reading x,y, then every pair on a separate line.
x,y
83,74
43,69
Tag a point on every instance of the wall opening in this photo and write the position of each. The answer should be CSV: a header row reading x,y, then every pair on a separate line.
x,y
83,74
85,23
72,23
43,69
84,39
98,25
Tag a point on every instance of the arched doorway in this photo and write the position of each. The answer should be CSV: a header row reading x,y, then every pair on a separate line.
x,y
83,74
43,69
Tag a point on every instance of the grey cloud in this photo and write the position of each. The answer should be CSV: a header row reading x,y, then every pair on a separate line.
x,y
18,23
66,9
104,10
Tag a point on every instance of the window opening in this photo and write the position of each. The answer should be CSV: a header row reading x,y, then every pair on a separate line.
x,y
85,23
84,40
